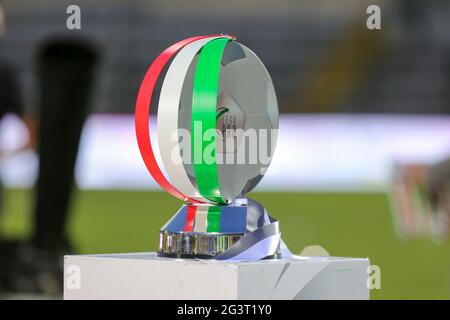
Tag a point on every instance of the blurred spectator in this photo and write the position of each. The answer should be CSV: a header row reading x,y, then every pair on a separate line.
x,y
10,102
65,73
439,186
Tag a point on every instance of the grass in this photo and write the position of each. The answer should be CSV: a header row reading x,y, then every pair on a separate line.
x,y
358,225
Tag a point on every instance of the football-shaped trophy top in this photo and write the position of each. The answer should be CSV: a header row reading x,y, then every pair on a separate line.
x,y
217,121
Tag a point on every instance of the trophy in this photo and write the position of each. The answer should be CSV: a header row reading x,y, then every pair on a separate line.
x,y
217,125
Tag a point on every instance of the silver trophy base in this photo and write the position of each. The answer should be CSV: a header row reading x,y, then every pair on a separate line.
x,y
198,245
195,244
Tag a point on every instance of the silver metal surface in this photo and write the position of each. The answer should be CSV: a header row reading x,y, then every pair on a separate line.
x,y
195,244
247,92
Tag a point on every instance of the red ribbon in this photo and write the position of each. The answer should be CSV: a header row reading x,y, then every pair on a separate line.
x,y
190,218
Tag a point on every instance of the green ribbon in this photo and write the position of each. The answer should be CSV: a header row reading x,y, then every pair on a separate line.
x,y
204,105
213,219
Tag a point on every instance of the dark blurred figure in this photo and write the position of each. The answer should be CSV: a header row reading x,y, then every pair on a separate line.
x,y
10,102
439,186
65,70
11,99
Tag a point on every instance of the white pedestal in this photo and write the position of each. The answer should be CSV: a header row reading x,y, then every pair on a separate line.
x,y
146,276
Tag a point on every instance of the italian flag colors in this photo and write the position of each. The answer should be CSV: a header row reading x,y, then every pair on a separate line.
x,y
230,219
202,219
206,189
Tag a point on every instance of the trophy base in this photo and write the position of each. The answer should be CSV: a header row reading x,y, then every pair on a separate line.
x,y
195,244
198,245
213,232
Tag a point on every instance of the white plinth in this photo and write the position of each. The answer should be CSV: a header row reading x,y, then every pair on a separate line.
x,y
146,276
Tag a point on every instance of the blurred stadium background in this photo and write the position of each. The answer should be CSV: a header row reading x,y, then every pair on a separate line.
x,y
354,103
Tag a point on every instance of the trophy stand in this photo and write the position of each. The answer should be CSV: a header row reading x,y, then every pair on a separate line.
x,y
147,276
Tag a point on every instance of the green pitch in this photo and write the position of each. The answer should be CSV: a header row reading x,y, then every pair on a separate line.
x,y
358,225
